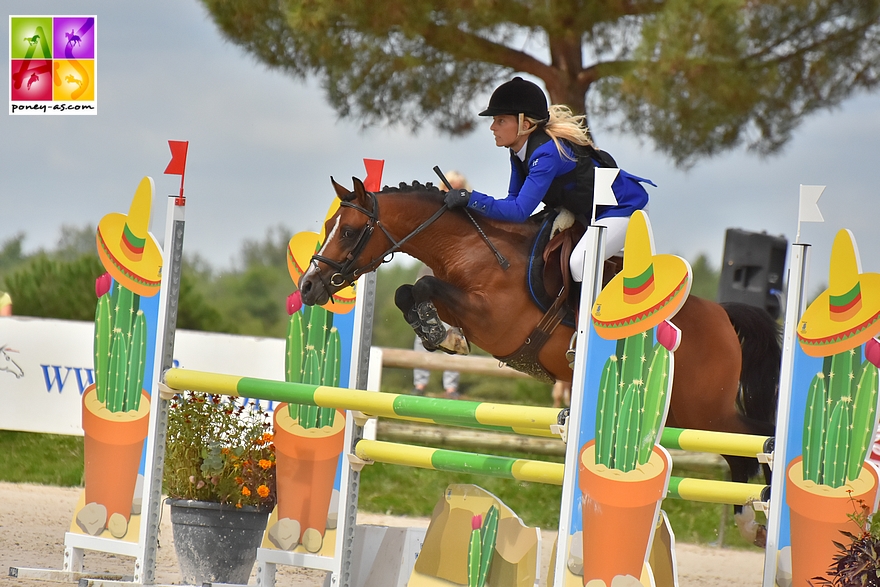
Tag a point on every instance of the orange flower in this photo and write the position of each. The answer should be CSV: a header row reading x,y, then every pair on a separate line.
x,y
239,480
265,464
263,491
238,505
245,491
225,450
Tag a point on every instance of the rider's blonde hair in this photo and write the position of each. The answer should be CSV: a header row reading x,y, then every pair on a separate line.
x,y
562,124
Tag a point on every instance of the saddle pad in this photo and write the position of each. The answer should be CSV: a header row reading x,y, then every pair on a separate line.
x,y
535,272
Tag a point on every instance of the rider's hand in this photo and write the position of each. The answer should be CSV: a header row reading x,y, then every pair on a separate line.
x,y
457,198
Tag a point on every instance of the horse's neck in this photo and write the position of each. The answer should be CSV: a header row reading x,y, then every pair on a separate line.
x,y
452,245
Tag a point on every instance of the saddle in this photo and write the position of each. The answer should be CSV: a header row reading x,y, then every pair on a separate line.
x,y
552,289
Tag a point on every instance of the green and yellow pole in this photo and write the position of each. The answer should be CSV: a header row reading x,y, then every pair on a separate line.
x,y
525,420
721,443
450,461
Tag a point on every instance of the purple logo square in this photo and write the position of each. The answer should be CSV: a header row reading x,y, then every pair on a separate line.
x,y
73,37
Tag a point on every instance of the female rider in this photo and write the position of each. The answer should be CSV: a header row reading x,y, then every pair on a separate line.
x,y
546,145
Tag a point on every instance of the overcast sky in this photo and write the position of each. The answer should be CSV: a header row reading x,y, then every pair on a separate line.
x,y
263,147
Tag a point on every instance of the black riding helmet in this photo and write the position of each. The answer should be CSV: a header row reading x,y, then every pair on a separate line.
x,y
518,96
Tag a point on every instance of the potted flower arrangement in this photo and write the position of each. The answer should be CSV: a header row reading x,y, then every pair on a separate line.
x,y
219,476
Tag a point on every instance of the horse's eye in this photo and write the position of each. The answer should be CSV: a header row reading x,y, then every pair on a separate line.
x,y
348,233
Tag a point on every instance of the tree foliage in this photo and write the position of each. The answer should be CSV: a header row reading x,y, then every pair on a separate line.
x,y
696,77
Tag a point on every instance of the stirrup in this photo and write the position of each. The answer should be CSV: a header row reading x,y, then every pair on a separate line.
x,y
570,354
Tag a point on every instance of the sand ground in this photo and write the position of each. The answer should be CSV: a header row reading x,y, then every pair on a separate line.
x,y
34,518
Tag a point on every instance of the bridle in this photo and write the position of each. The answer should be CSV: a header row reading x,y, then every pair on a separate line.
x,y
345,271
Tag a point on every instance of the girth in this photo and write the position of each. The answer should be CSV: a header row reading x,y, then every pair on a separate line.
x,y
525,358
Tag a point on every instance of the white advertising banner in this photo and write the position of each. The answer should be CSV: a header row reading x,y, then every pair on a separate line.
x,y
46,364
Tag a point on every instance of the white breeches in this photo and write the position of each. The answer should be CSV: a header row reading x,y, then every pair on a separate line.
x,y
615,235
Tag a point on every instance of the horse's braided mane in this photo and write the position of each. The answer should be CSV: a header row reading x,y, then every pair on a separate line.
x,y
525,230
414,187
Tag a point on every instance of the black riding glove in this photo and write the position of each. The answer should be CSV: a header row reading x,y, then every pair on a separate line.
x,y
457,198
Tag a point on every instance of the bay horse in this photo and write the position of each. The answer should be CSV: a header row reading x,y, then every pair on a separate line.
x,y
726,367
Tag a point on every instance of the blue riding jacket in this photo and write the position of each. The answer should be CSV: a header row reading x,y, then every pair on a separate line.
x,y
546,174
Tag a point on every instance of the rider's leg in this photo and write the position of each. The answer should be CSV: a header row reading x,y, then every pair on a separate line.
x,y
615,235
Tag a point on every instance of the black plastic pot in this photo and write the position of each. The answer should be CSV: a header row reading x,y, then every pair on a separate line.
x,y
216,543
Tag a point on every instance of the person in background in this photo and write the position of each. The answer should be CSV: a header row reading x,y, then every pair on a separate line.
x,y
561,394
5,304
421,377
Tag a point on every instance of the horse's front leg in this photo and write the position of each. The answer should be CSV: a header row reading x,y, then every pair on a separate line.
x,y
417,302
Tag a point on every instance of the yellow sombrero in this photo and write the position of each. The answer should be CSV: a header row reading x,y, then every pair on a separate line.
x,y
300,249
847,314
126,248
650,289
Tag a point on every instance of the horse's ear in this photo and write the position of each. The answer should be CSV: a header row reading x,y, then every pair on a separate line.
x,y
360,191
342,193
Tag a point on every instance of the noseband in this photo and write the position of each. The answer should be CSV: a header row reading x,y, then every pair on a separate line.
x,y
345,271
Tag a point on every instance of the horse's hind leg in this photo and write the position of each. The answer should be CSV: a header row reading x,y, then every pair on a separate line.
x,y
423,317
741,470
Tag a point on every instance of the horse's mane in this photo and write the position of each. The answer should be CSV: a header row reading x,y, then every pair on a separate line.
x,y
415,186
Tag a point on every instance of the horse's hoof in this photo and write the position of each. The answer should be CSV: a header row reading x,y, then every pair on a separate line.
x,y
761,537
455,343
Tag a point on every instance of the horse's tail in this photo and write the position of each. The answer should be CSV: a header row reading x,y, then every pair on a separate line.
x,y
760,338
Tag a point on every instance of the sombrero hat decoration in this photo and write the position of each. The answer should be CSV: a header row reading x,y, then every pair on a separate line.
x,y
127,249
847,314
650,289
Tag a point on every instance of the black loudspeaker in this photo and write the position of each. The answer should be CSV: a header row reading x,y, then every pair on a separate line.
x,y
752,270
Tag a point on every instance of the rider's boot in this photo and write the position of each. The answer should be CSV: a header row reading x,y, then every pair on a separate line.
x,y
435,335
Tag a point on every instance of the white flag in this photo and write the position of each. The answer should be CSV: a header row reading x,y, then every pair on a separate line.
x,y
808,210
603,195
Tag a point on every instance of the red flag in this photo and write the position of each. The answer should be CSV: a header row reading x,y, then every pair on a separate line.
x,y
373,183
178,157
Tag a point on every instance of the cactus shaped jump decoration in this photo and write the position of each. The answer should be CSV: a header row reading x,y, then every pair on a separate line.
x,y
834,395
635,383
120,346
482,546
312,356
632,402
133,262
622,472
841,408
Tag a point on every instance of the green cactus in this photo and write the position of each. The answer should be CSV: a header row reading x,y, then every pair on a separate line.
x,y
137,356
633,392
864,416
654,408
475,553
489,533
120,349
103,330
484,533
839,419
313,356
330,375
814,429
312,375
628,430
606,414
632,367
837,447
118,366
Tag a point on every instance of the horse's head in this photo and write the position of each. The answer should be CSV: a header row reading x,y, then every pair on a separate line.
x,y
348,250
7,364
